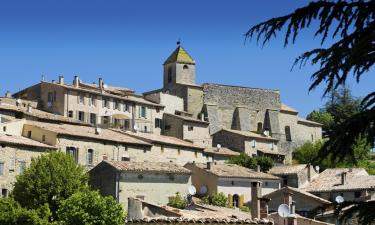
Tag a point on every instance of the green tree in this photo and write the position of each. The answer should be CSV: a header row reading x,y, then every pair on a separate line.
x,y
323,117
90,208
49,179
247,161
177,201
307,152
11,213
219,199
352,25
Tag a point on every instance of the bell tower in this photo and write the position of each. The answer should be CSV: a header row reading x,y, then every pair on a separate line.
x,y
179,68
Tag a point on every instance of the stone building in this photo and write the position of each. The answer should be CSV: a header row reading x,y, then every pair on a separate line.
x,y
232,180
152,181
297,176
95,104
16,153
237,108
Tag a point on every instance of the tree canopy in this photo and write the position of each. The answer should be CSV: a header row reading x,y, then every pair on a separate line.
x,y
352,23
351,26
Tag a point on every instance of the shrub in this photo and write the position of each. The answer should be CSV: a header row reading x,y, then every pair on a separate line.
x,y
219,199
177,201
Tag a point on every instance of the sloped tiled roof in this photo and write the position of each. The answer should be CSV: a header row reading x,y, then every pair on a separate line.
x,y
330,180
287,169
296,190
250,134
23,141
161,139
287,108
232,170
161,167
309,122
180,55
88,132
222,151
187,118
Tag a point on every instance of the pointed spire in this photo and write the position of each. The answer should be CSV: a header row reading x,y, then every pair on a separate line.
x,y
180,55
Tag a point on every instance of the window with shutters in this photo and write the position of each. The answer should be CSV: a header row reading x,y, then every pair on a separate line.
x,y
81,116
288,135
73,152
157,123
90,156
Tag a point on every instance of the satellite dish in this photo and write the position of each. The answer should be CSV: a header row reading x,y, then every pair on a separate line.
x,y
339,199
98,130
218,146
317,168
192,190
135,127
203,190
105,86
283,210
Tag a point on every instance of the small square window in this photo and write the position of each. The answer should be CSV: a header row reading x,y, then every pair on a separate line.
x,y
190,128
70,114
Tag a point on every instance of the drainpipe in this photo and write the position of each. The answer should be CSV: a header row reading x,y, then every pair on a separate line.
x,y
118,187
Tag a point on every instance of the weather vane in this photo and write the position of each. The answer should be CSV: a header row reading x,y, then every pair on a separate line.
x,y
179,41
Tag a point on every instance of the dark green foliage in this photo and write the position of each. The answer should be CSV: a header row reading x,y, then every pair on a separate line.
x,y
90,208
352,23
307,152
245,160
324,118
177,201
219,199
49,179
11,213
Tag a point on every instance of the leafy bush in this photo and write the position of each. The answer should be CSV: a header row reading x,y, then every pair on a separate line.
x,y
11,213
177,201
265,163
219,199
247,161
90,208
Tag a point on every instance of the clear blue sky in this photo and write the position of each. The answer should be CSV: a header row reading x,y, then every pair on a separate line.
x,y
126,42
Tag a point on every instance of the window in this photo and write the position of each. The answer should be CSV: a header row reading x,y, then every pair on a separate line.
x,y
81,116
127,124
105,103
4,128
144,150
126,107
90,156
116,105
272,146
288,136
73,152
157,123
185,67
357,194
70,114
29,134
142,111
157,109
167,127
43,138
162,148
81,99
93,118
105,120
260,127
4,192
169,74
196,154
1,168
266,184
21,167
179,151
145,129
51,97
190,128
92,100
312,137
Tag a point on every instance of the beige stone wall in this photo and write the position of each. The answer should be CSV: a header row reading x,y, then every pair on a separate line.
x,y
171,103
194,101
57,106
260,144
200,178
155,187
12,157
174,125
12,127
199,135
38,133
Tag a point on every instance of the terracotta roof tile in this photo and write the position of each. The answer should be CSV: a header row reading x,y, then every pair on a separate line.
x,y
287,169
163,167
284,107
23,141
330,180
88,132
222,151
296,190
186,118
232,170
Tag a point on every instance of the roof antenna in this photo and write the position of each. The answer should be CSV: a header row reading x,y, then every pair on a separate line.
x,y
43,77
179,42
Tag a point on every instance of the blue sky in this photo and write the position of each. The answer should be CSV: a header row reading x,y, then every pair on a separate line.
x,y
126,42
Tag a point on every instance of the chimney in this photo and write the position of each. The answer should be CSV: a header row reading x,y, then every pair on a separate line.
x,y
29,108
61,79
8,94
256,194
209,165
343,178
288,198
53,82
309,171
258,168
101,83
293,207
134,209
76,81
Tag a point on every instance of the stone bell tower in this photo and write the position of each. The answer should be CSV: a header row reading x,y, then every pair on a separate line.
x,y
179,68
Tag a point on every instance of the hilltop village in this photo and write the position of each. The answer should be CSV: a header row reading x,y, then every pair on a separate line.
x,y
143,149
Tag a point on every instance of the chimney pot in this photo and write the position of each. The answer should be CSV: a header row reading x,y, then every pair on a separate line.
x,y
61,79
343,178
76,81
101,83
